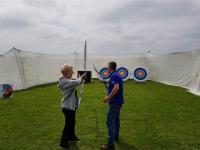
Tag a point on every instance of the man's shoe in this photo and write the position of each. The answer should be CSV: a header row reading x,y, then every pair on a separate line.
x,y
117,139
65,148
107,147
74,138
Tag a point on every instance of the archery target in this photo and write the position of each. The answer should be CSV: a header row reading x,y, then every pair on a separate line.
x,y
124,73
104,73
6,90
140,74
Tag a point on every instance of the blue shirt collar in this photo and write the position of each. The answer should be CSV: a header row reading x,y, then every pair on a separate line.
x,y
112,72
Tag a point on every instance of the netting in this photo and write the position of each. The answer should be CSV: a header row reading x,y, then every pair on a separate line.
x,y
25,69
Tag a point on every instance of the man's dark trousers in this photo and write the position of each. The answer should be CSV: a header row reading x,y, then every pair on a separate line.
x,y
113,122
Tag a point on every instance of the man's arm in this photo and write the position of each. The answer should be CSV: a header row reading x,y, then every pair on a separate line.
x,y
113,93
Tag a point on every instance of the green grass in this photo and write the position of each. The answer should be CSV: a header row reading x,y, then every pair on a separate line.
x,y
155,116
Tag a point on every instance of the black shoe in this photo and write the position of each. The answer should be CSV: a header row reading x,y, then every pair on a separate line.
x,y
107,147
74,139
117,139
65,147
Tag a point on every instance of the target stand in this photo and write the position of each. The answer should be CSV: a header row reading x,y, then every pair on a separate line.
x,y
88,76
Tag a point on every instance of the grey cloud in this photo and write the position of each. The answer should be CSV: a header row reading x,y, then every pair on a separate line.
x,y
49,35
134,37
122,26
41,3
194,35
13,22
149,10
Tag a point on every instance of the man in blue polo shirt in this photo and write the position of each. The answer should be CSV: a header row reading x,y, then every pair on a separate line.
x,y
115,99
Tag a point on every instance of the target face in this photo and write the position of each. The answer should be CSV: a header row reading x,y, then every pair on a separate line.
x,y
123,73
140,74
6,90
104,73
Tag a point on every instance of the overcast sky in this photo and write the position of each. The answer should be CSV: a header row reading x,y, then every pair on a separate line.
x,y
120,26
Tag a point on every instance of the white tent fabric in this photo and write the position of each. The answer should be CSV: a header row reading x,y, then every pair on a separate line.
x,y
25,69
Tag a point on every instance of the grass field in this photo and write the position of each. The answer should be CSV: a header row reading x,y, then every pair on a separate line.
x,y
155,116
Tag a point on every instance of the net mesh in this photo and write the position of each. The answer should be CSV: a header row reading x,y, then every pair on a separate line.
x,y
26,69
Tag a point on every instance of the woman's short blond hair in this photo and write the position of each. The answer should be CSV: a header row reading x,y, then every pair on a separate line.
x,y
65,69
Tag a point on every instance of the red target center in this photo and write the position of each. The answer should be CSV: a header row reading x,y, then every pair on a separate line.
x,y
105,73
140,73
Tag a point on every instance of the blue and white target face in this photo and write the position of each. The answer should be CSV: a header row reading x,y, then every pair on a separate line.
x,y
104,73
140,74
123,73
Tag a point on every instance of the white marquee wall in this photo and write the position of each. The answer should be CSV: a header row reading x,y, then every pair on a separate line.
x,y
24,69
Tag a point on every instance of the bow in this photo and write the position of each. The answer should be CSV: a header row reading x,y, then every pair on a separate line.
x,y
99,76
84,66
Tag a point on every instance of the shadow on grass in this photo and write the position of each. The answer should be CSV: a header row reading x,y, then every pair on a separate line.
x,y
122,145
74,146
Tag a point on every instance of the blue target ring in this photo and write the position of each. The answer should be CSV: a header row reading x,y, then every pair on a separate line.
x,y
7,90
140,74
104,73
123,73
